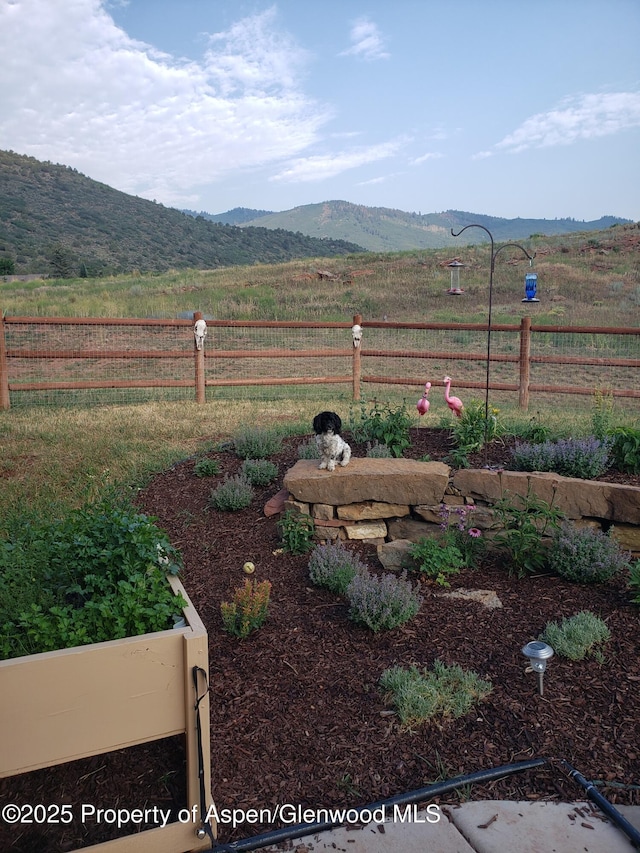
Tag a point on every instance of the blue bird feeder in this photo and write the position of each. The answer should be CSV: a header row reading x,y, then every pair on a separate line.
x,y
530,287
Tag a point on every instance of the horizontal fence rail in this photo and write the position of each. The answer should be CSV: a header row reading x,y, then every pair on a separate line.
x,y
77,354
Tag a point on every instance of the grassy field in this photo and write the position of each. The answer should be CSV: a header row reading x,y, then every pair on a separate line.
x,y
52,459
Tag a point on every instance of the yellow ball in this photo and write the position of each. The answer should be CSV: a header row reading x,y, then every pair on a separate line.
x,y
248,568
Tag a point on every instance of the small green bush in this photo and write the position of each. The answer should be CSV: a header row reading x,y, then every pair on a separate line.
x,y
381,603
333,566
626,449
384,425
206,468
234,494
584,555
256,443
469,430
309,450
378,451
419,696
259,472
297,531
634,581
577,636
525,521
437,558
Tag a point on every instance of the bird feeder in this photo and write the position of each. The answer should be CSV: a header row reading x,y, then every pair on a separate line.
x,y
454,289
538,653
530,287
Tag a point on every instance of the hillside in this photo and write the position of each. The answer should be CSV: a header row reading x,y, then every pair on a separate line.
x,y
381,229
54,219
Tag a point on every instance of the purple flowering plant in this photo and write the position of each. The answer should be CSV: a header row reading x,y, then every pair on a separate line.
x,y
456,524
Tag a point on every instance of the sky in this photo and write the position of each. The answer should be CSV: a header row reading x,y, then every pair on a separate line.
x,y
509,108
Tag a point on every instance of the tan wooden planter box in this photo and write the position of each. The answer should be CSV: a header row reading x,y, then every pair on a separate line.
x,y
64,705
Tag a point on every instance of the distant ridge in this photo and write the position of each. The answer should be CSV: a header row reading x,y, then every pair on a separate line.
x,y
53,219
383,229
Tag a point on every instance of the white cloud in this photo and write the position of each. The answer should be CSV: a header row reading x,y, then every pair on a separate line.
x,y
432,155
366,41
80,91
322,166
583,117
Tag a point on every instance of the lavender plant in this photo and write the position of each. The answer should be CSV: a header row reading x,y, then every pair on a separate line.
x,y
584,555
382,603
333,566
259,472
585,458
233,494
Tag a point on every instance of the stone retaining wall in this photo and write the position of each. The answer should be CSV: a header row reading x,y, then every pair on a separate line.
x,y
386,501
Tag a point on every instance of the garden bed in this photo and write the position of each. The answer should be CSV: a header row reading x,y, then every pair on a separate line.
x,y
297,715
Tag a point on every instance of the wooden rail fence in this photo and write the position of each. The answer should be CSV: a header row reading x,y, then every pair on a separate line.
x,y
63,332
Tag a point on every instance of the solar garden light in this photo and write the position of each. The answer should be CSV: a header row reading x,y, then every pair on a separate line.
x,y
538,653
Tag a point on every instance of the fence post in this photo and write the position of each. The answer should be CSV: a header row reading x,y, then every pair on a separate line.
x,y
525,362
356,364
5,402
198,355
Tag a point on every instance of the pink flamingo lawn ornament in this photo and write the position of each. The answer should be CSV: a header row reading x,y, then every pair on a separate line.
x,y
423,402
454,403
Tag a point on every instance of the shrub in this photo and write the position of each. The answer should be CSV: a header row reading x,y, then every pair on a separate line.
x,y
447,691
585,555
634,581
333,566
378,451
386,426
98,574
233,494
602,413
256,443
259,472
248,610
626,449
525,521
571,457
469,429
458,530
436,558
577,636
309,450
297,531
206,468
382,603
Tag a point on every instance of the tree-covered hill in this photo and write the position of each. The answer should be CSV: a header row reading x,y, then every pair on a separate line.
x,y
54,219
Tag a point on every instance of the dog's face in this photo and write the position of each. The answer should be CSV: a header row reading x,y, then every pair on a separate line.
x,y
327,422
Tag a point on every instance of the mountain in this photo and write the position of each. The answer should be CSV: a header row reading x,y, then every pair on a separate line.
x,y
237,216
54,219
382,229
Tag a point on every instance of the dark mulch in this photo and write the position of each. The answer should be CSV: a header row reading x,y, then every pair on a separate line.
x,y
296,713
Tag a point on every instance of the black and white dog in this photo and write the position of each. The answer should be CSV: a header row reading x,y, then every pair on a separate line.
x,y
333,448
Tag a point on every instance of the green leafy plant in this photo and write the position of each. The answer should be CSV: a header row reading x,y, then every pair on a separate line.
x,y
584,555
577,636
381,602
248,610
461,533
385,425
256,442
602,413
333,566
436,558
309,450
446,691
525,521
234,494
471,428
206,467
259,472
98,574
634,581
626,449
297,531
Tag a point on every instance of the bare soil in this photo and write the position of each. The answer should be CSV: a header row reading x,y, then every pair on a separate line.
x,y
297,715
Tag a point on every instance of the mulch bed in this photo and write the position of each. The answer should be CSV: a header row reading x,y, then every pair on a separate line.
x,y
296,712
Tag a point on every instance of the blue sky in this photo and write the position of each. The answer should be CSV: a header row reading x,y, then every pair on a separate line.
x,y
502,107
